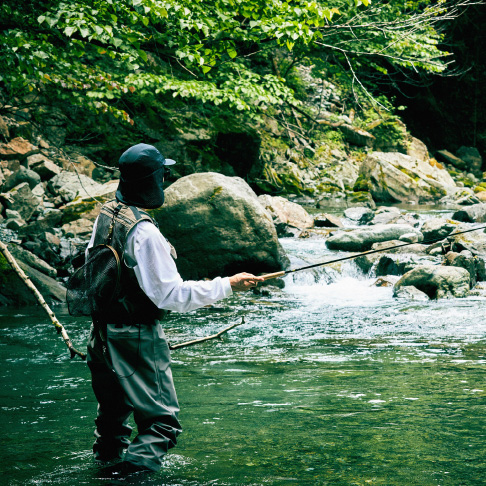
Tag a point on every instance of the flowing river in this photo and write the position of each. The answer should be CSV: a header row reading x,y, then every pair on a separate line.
x,y
329,381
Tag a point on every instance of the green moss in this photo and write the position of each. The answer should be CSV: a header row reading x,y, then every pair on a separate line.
x,y
360,196
76,209
362,184
5,270
410,174
218,190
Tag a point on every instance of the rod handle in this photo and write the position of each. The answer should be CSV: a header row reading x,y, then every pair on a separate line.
x,y
269,276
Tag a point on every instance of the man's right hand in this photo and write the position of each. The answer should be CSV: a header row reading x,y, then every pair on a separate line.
x,y
244,281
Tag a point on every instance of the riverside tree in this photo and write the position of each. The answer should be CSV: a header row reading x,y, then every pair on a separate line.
x,y
117,57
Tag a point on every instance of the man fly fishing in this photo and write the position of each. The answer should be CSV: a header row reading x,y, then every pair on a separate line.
x,y
128,354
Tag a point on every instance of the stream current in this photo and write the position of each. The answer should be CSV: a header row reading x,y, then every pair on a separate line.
x,y
329,381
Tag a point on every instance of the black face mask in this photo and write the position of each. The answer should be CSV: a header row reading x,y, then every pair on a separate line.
x,y
142,169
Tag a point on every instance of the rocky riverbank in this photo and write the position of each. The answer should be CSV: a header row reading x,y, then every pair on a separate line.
x,y
49,201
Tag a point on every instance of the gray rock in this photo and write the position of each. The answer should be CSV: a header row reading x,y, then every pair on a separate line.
x,y
14,291
219,227
12,214
25,256
467,200
446,156
70,185
41,225
19,176
411,238
414,248
14,224
400,264
472,159
45,168
396,177
474,265
80,228
472,214
361,215
437,228
418,150
20,198
410,293
286,214
437,281
362,239
359,199
327,221
474,241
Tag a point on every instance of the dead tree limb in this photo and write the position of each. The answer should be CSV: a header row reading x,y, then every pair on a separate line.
x,y
59,327
207,338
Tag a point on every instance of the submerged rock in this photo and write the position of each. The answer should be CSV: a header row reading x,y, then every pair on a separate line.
x,y
361,215
410,292
362,239
219,227
437,281
327,221
437,228
386,281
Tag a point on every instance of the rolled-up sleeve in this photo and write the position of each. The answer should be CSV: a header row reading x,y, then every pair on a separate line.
x,y
148,253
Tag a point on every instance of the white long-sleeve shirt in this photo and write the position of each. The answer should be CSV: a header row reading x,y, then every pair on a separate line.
x,y
148,253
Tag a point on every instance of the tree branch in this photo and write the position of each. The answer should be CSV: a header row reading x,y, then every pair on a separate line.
x,y
59,327
207,338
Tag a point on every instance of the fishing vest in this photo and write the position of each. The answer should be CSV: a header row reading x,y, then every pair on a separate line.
x,y
132,306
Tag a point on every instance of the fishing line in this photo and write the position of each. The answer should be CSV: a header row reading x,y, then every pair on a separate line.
x,y
370,252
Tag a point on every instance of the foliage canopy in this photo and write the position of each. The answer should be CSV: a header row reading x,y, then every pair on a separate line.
x,y
108,55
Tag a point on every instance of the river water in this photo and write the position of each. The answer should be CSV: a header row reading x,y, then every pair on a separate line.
x,y
329,381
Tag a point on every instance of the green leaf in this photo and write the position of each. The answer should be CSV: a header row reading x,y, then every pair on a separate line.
x,y
206,69
41,18
232,52
69,31
145,21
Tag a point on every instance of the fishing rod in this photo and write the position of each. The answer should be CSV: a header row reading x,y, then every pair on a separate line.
x,y
269,276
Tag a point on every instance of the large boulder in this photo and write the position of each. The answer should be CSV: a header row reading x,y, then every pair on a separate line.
x,y
362,239
437,281
396,177
218,227
286,214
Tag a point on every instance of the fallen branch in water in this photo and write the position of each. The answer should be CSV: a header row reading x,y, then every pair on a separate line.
x,y
207,338
59,327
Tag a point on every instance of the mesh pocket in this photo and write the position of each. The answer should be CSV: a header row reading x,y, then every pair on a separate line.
x,y
94,286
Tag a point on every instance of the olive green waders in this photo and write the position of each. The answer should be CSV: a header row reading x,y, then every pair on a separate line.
x,y
134,377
